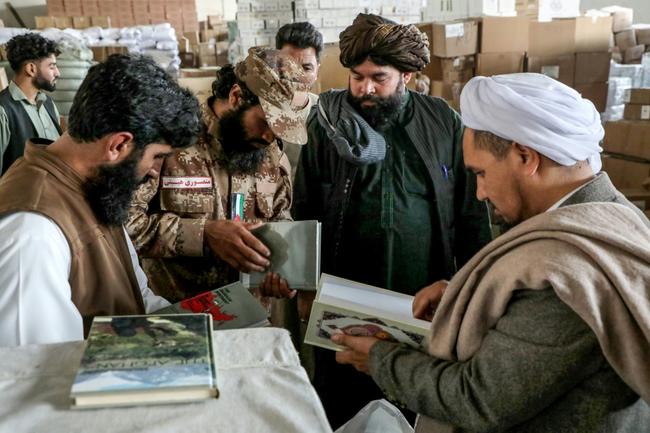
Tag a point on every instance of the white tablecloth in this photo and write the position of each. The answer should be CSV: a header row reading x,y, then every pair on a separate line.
x,y
262,387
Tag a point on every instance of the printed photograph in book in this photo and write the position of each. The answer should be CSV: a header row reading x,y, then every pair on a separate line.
x,y
140,352
336,323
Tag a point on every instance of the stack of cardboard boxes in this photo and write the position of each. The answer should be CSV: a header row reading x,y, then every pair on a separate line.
x,y
181,14
502,45
627,48
259,20
207,47
628,143
453,48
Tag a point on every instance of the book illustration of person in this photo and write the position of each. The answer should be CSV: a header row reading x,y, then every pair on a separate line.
x,y
366,330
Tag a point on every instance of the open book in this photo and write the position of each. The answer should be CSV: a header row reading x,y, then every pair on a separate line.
x,y
295,253
231,307
134,360
345,306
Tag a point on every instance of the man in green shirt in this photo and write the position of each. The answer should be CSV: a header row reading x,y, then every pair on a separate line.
x,y
25,111
383,170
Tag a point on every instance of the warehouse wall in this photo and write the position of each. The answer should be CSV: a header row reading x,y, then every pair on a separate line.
x,y
28,9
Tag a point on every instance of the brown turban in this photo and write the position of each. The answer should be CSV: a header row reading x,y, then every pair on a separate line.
x,y
402,46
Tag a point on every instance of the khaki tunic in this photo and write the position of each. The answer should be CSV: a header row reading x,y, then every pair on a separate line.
x,y
168,215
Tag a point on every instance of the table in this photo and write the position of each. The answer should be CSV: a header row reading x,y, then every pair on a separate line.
x,y
262,387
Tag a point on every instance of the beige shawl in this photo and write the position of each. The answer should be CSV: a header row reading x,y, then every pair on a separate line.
x,y
596,256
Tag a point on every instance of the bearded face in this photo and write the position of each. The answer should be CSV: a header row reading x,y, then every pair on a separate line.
x,y
241,153
378,108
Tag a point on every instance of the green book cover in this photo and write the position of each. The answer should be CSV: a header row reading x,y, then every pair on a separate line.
x,y
131,360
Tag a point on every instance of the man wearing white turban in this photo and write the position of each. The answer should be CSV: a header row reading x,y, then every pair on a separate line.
x,y
547,328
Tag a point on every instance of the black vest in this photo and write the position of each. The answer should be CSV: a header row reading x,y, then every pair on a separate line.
x,y
21,126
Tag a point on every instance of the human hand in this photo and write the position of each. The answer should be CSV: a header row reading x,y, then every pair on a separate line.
x,y
233,242
357,352
426,300
305,301
275,286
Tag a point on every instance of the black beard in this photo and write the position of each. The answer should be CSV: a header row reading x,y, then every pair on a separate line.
x,y
42,84
239,155
384,110
110,191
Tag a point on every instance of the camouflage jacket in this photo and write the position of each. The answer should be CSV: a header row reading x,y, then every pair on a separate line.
x,y
168,214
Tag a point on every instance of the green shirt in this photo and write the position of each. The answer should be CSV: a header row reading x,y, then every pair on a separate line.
x,y
392,211
37,113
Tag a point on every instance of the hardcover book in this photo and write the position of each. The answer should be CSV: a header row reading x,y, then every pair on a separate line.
x,y
136,360
295,253
348,307
231,307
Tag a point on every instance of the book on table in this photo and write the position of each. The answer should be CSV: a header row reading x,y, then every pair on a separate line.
x,y
147,359
295,253
348,307
231,307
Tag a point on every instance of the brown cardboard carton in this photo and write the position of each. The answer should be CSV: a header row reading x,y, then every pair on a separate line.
x,y
592,67
633,54
332,74
63,22
628,138
552,38
625,39
99,53
637,112
528,8
624,173
595,92
499,63
448,91
44,22
89,7
200,86
199,72
116,49
73,7
642,34
593,34
55,8
638,96
503,34
622,17
453,39
193,38
80,22
100,21
446,69
561,68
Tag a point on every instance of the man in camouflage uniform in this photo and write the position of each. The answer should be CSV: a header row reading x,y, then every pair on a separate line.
x,y
187,226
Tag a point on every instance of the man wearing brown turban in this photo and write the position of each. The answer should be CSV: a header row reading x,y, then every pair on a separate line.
x,y
383,170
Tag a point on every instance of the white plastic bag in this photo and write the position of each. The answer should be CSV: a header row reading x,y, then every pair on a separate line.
x,y
378,416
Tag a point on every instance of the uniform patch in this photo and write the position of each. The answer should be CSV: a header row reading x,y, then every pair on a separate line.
x,y
182,182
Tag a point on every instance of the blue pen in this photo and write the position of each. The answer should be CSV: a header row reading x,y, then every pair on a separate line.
x,y
445,172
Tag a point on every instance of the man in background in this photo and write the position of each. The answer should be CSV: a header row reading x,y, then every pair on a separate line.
x,y
64,254
25,111
383,171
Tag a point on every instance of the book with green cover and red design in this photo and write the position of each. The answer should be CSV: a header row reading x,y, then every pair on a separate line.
x,y
231,307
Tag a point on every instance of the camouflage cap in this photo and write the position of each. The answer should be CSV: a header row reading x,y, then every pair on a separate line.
x,y
281,85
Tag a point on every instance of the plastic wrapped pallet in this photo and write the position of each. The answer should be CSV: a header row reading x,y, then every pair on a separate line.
x,y
633,72
645,64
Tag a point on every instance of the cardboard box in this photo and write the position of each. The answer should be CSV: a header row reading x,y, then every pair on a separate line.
x,y
447,91
332,74
596,93
642,33
561,68
200,86
193,38
552,38
637,112
488,64
528,8
622,17
89,7
625,174
446,69
503,34
44,22
593,33
63,22
107,8
188,60
628,138
55,8
633,54
549,9
592,67
199,72
73,7
100,21
638,96
625,39
80,22
453,39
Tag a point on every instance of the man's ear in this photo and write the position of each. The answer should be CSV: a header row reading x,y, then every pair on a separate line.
x,y
235,96
529,158
117,146
31,69
406,76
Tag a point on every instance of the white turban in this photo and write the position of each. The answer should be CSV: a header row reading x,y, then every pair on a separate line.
x,y
537,112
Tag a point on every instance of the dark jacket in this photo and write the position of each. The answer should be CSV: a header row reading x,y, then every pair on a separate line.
x,y
324,183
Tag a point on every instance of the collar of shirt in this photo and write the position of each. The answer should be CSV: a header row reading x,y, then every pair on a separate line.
x,y
563,199
18,95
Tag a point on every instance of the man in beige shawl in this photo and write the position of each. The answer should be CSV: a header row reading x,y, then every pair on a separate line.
x,y
547,328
